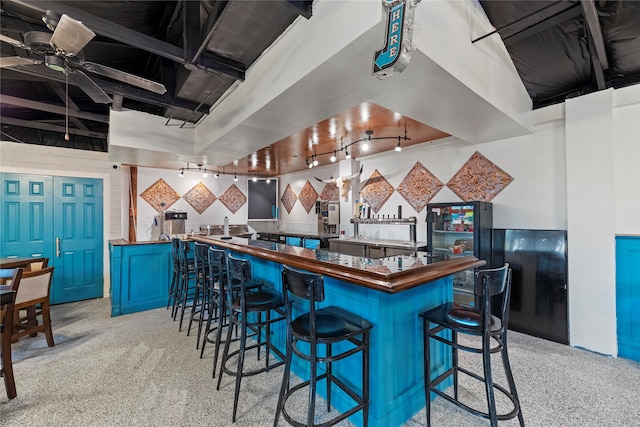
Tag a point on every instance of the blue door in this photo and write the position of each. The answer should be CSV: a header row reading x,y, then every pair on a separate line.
x,y
77,229
26,218
59,218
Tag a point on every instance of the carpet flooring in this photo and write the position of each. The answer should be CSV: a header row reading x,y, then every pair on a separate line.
x,y
138,370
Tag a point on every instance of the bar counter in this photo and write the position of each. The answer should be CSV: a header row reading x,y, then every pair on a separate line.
x,y
388,292
390,275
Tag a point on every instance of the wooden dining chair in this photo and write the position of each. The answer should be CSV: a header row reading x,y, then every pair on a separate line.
x,y
6,329
33,296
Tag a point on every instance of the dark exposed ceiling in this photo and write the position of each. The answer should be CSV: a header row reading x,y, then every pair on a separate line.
x,y
199,49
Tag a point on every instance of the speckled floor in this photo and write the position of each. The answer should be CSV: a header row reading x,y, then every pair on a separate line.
x,y
139,370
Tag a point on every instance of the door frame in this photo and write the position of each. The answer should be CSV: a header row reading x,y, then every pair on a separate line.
x,y
106,204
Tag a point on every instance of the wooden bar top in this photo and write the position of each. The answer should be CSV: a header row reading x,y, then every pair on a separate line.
x,y
390,275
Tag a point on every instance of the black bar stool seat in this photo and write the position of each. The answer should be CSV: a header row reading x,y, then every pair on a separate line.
x,y
450,319
321,326
247,308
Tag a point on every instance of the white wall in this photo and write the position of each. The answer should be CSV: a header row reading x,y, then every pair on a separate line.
x,y
54,161
578,171
213,215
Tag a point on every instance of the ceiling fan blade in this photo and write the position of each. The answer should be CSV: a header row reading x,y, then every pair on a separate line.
x,y
89,87
13,61
125,77
71,36
13,42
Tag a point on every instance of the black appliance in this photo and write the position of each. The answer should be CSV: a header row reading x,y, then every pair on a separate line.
x,y
538,259
460,229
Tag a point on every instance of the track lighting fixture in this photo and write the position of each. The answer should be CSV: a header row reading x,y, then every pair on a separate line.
x,y
255,178
204,171
312,160
217,174
235,177
268,180
181,174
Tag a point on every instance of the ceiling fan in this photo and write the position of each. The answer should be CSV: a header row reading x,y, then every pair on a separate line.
x,y
62,52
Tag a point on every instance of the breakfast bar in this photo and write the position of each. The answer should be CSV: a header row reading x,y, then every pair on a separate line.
x,y
389,292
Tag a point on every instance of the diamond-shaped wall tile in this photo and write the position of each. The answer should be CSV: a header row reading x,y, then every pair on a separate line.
x,y
160,195
200,197
233,198
330,192
376,191
289,198
308,196
479,179
419,187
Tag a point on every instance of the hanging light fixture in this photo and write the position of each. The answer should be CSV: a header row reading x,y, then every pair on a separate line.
x,y
312,160
66,106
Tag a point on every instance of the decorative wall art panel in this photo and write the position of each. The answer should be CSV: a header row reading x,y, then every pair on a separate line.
x,y
308,196
330,193
200,197
289,198
376,191
233,198
160,195
479,179
419,187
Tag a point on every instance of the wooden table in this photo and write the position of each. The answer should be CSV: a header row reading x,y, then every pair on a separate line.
x,y
6,296
16,263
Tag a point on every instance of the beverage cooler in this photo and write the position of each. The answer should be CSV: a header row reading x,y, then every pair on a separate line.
x,y
457,230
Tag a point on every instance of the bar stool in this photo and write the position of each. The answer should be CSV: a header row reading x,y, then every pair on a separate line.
x,y
217,311
246,310
328,325
479,322
175,272
186,286
201,299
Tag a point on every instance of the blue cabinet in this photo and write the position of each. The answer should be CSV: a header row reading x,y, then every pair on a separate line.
x,y
294,241
312,243
628,295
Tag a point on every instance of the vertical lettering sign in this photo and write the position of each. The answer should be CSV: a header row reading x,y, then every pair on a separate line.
x,y
396,53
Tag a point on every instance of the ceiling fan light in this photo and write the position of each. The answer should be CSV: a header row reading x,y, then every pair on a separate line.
x,y
54,63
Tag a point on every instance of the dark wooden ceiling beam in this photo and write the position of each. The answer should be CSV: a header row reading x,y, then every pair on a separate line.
x,y
206,62
571,12
64,96
165,100
596,42
44,126
302,7
49,108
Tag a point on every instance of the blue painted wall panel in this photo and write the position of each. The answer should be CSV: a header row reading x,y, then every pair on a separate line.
x,y
628,296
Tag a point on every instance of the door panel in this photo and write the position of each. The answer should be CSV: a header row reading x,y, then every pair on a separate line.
x,y
26,216
36,209
78,225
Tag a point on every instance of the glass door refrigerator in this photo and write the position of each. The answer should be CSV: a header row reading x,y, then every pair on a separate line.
x,y
457,230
